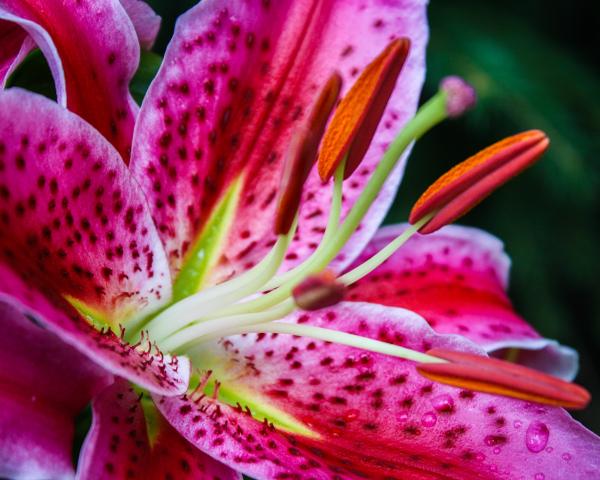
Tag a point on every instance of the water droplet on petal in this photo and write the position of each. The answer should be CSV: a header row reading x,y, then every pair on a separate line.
x,y
566,457
480,457
496,450
539,476
403,417
549,449
536,437
443,403
518,424
351,414
429,419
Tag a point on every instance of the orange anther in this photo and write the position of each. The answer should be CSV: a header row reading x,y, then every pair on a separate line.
x,y
464,186
302,155
491,375
356,118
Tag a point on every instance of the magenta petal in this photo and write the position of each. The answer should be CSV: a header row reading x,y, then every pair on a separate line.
x,y
174,457
44,385
456,279
140,364
145,21
71,214
117,444
93,52
374,416
228,99
16,44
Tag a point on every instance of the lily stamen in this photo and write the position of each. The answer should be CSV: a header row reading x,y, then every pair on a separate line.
x,y
212,299
469,182
499,377
429,115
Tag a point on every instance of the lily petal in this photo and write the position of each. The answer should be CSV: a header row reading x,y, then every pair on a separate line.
x,y
72,215
89,240
92,51
16,44
174,457
153,371
225,105
456,279
119,444
373,416
145,21
45,384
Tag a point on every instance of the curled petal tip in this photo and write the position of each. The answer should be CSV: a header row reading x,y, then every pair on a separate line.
x,y
461,96
490,375
302,154
357,116
468,183
319,291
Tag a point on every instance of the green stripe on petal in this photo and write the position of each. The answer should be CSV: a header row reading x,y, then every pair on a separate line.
x,y
205,253
235,395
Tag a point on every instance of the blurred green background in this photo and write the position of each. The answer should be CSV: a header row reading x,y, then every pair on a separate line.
x,y
535,64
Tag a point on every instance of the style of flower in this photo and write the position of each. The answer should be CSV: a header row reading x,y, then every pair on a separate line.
x,y
140,251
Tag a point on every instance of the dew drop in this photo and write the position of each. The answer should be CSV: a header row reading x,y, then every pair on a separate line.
x,y
429,419
566,457
536,437
539,476
518,424
403,417
480,457
443,403
496,451
351,415
549,449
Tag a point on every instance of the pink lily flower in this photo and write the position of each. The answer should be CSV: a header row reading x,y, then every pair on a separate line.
x,y
154,249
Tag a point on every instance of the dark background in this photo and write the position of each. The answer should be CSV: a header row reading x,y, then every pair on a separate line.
x,y
535,64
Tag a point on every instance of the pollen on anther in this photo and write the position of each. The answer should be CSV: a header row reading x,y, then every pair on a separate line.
x,y
357,116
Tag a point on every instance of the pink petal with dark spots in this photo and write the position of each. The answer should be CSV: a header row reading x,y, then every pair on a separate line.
x,y
141,364
456,279
230,96
44,385
374,416
72,215
93,52
16,44
174,457
118,444
145,21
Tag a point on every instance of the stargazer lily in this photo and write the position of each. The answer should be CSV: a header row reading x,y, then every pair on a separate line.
x,y
191,286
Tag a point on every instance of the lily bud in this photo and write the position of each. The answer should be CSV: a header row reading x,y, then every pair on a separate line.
x,y
319,291
356,118
302,155
461,96
491,375
468,183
